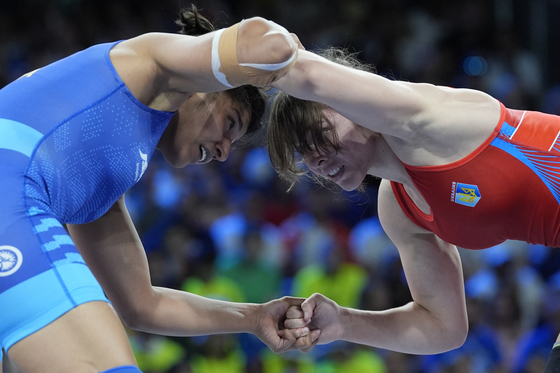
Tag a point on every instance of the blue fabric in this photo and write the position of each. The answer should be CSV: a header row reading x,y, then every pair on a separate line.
x,y
73,139
33,304
88,138
123,369
532,158
18,137
42,274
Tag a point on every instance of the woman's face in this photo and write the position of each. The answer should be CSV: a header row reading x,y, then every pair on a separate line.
x,y
349,166
204,128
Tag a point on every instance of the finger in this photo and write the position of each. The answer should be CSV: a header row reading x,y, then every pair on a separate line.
x,y
309,341
307,307
297,332
294,312
286,341
314,335
289,338
305,343
295,323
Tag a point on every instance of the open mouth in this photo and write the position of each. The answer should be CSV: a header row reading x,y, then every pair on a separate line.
x,y
335,172
203,154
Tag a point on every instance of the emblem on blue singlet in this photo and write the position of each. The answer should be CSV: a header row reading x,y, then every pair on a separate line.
x,y
141,167
10,260
465,194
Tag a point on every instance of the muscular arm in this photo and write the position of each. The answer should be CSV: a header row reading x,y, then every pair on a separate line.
x,y
114,253
434,322
424,115
436,319
162,70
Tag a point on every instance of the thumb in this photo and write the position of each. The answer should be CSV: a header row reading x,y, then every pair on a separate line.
x,y
308,307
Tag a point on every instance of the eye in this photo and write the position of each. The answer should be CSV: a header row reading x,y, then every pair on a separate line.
x,y
231,123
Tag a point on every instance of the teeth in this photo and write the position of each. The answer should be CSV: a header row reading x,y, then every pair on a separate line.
x,y
335,171
204,154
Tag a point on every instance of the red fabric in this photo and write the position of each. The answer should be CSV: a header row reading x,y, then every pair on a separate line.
x,y
511,201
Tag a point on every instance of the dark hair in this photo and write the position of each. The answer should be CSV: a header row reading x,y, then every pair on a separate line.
x,y
250,97
295,126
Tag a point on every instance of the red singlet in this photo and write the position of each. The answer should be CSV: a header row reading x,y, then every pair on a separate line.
x,y
508,188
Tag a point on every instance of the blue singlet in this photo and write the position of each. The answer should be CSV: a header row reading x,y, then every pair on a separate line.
x,y
73,140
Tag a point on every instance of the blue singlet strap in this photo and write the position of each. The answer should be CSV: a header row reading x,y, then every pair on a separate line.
x,y
18,137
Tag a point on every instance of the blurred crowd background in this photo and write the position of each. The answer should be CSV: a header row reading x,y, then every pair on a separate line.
x,y
230,231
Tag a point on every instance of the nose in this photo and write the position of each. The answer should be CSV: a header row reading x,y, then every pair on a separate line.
x,y
314,160
222,149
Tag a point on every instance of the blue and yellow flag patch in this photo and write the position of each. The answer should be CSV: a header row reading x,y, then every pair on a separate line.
x,y
465,194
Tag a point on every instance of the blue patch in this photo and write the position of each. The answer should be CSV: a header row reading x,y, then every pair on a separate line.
x,y
466,194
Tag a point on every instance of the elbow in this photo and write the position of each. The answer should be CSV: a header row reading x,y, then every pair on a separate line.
x,y
455,335
458,337
282,47
135,316
279,44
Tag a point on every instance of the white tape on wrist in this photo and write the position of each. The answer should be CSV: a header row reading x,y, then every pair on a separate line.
x,y
216,64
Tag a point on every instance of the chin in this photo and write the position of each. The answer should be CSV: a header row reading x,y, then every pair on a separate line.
x,y
174,160
351,185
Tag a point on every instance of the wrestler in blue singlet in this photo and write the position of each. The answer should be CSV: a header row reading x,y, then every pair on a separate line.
x,y
73,140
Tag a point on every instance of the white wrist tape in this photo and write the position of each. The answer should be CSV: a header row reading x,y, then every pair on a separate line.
x,y
216,63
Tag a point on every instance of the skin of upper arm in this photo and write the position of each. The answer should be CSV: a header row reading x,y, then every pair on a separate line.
x,y
356,95
163,69
112,250
431,265
401,109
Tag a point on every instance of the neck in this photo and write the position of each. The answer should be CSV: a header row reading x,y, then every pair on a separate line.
x,y
387,165
391,168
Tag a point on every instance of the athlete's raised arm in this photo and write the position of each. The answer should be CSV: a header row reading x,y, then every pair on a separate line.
x,y
391,107
162,69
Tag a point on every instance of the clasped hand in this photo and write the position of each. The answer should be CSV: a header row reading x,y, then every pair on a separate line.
x,y
299,324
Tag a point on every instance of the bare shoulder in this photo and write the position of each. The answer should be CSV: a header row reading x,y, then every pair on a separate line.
x,y
451,124
156,65
445,105
136,66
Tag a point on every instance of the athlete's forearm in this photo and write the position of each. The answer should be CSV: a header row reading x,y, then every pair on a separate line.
x,y
178,313
305,77
408,329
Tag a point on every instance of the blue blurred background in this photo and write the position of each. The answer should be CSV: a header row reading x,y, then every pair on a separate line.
x,y
230,231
